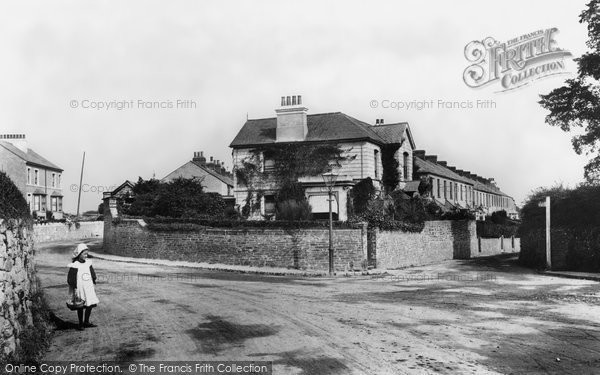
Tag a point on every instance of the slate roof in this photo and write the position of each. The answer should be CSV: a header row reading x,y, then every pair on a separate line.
x,y
30,156
225,179
394,133
335,126
425,166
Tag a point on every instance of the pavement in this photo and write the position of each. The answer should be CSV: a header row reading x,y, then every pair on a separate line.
x,y
574,275
273,271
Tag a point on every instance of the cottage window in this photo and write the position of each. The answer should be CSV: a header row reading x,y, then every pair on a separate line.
x,y
36,177
54,204
29,176
53,179
36,202
59,204
439,194
58,184
376,160
445,188
451,193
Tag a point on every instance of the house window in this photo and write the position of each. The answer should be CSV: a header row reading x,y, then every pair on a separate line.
x,y
455,191
376,160
439,188
36,177
59,204
461,192
54,204
445,188
44,203
58,184
36,202
53,179
28,176
269,204
405,166
29,202
268,164
451,194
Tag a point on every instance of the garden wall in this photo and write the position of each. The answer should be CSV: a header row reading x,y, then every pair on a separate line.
x,y
295,248
439,241
17,276
62,231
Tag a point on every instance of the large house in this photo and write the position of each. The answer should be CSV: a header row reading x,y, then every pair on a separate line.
x,y
36,177
362,146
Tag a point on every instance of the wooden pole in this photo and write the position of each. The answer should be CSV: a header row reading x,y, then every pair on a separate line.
x,y
548,242
80,181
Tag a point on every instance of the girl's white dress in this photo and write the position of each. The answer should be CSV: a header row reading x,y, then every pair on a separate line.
x,y
85,284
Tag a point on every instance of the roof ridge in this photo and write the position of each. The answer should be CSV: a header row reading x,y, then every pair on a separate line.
x,y
364,126
312,114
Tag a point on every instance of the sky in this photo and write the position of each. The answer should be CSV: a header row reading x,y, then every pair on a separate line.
x,y
234,59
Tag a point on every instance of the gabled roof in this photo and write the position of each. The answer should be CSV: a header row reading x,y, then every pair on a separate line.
x,y
30,156
225,179
335,126
394,133
125,184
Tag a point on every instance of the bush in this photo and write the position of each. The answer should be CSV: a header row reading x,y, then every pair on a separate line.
x,y
12,203
293,210
360,195
177,198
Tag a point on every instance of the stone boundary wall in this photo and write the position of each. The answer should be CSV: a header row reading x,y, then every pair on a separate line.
x,y
297,248
61,231
440,240
494,246
17,283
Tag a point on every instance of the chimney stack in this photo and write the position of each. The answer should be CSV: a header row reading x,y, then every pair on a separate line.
x,y
419,153
431,158
443,163
292,122
199,157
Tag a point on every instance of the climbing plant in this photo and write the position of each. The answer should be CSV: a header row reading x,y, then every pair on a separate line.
x,y
391,175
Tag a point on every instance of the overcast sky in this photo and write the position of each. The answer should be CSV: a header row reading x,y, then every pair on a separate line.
x,y
237,58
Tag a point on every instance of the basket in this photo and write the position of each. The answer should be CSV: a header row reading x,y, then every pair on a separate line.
x,y
75,302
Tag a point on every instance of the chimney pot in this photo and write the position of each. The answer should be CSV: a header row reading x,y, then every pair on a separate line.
x,y
294,100
419,153
299,99
283,101
288,100
380,121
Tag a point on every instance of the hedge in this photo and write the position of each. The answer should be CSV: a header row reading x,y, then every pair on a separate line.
x,y
192,224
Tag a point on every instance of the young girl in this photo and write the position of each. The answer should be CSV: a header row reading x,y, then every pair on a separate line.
x,y
81,280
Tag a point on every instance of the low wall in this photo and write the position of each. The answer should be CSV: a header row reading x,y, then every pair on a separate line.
x,y
62,231
439,241
297,248
17,284
494,246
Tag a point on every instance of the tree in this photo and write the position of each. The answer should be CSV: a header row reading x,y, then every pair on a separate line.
x,y
577,104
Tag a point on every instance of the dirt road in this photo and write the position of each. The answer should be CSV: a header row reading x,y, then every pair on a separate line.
x,y
460,317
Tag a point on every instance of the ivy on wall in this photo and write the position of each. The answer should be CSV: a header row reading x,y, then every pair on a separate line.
x,y
391,175
289,162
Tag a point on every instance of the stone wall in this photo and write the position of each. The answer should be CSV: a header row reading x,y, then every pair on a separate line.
x,y
439,241
61,231
17,284
495,246
297,248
